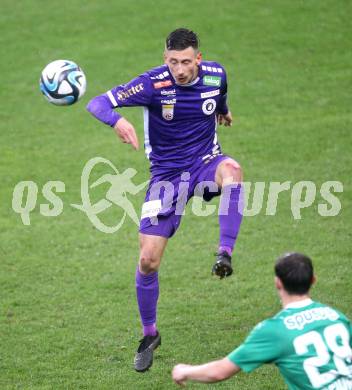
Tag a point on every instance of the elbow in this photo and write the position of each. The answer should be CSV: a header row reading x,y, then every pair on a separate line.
x,y
100,108
223,369
97,105
92,106
218,376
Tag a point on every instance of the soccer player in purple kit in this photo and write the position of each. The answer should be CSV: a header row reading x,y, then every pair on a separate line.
x,y
183,101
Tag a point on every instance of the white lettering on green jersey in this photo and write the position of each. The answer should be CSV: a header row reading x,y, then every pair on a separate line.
x,y
309,342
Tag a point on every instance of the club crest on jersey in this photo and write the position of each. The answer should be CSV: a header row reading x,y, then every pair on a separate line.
x,y
168,111
209,106
213,81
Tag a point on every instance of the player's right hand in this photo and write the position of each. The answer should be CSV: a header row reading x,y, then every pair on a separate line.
x,y
225,120
126,132
179,374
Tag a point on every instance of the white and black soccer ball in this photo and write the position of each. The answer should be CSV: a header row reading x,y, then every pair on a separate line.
x,y
63,82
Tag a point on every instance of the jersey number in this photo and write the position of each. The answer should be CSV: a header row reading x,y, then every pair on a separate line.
x,y
335,339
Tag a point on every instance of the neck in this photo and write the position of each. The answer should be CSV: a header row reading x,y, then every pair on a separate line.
x,y
286,299
196,73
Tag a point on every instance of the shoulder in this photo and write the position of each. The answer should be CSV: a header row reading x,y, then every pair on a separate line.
x,y
334,313
154,74
213,74
321,310
212,68
159,73
266,328
158,77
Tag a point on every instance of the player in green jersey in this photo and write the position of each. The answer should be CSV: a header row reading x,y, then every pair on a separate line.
x,y
309,342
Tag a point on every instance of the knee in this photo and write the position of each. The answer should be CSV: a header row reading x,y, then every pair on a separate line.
x,y
236,171
148,262
231,172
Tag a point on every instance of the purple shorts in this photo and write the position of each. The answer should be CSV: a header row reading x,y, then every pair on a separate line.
x,y
167,196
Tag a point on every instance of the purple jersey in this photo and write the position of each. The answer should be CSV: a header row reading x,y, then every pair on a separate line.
x,y
179,120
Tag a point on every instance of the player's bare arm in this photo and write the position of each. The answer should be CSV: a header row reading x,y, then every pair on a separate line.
x,y
215,371
126,132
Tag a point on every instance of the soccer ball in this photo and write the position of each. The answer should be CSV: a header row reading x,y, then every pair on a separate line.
x,y
63,82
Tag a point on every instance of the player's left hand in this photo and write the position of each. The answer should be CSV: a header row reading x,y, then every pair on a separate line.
x,y
225,120
179,374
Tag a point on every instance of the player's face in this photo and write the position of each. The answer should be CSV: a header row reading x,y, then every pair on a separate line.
x,y
183,64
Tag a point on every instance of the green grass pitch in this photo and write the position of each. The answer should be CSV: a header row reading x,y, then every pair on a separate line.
x,y
68,313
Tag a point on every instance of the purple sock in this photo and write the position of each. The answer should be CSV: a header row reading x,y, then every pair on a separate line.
x,y
226,249
147,287
230,216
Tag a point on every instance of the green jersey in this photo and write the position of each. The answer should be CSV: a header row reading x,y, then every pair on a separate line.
x,y
310,343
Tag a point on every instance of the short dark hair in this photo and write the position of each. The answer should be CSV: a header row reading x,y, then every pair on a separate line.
x,y
181,39
296,273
